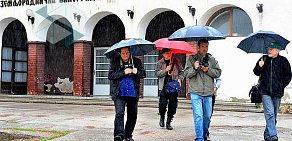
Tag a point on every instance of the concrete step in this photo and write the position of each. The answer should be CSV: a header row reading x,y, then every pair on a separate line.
x,y
106,101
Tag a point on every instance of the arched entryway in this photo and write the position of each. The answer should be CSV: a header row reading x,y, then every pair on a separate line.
x,y
161,26
14,59
108,31
59,58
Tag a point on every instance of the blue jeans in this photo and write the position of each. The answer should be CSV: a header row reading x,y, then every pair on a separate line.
x,y
202,109
271,107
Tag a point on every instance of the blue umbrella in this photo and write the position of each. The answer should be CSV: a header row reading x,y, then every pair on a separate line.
x,y
258,42
138,47
195,33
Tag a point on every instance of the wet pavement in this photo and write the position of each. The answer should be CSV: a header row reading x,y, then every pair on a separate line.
x,y
95,123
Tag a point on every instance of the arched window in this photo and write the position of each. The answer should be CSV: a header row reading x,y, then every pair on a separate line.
x,y
231,21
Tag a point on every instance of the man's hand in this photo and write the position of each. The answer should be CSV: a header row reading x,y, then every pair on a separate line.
x,y
134,71
205,69
128,71
261,63
197,65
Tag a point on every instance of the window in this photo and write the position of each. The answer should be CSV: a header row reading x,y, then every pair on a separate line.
x,y
231,21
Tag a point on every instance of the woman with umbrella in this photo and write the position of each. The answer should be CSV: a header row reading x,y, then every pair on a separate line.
x,y
168,69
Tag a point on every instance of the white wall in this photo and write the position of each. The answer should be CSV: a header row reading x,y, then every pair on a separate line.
x,y
237,75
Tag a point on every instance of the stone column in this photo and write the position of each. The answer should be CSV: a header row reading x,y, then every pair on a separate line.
x,y
82,68
36,66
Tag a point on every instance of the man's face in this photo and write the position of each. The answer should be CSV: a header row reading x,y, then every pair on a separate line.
x,y
167,55
273,52
203,49
125,54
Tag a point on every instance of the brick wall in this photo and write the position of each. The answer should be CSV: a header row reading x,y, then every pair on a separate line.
x,y
36,62
82,68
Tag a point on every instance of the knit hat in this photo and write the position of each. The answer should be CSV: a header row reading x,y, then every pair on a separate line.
x,y
274,45
165,50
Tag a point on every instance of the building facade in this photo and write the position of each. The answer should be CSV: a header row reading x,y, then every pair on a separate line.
x,y
56,46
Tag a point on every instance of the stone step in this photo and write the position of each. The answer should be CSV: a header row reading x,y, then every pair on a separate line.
x,y
106,101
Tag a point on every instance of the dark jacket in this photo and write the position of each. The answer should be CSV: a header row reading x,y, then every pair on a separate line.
x,y
275,75
116,73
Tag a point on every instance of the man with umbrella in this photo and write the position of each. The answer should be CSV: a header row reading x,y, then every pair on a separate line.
x,y
275,74
125,72
201,69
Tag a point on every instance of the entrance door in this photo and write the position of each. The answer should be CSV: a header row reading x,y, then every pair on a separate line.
x,y
14,70
151,81
101,84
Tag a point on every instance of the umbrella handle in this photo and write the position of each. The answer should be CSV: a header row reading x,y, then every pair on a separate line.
x,y
132,61
170,72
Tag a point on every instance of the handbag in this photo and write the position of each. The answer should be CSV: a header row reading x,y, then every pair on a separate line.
x,y
254,94
173,87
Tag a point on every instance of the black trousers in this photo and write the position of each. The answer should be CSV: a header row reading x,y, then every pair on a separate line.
x,y
132,111
213,103
167,100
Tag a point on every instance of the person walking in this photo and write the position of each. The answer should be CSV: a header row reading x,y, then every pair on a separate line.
x,y
167,69
274,73
217,83
201,69
125,73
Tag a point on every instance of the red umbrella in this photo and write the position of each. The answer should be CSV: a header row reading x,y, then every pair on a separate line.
x,y
177,47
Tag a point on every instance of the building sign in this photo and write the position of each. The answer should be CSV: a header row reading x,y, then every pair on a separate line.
x,y
15,3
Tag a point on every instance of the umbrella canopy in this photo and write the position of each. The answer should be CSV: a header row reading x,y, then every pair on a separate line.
x,y
138,47
196,33
258,42
177,47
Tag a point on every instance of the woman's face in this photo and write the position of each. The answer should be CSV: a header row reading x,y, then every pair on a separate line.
x,y
167,55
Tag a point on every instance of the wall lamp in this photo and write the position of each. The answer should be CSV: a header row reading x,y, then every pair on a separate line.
x,y
260,7
30,15
192,10
130,13
78,17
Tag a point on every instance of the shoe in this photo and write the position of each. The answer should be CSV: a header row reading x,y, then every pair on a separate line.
x,y
267,139
161,122
208,138
118,138
274,138
168,126
129,139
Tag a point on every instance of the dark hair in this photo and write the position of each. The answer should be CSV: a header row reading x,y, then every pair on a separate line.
x,y
165,50
202,41
119,50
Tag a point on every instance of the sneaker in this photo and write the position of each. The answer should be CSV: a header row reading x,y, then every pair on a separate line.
x,y
129,139
118,138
